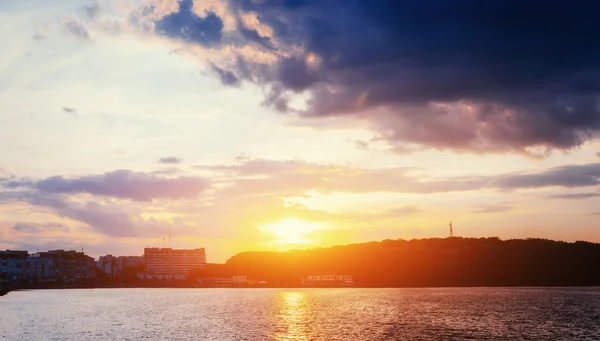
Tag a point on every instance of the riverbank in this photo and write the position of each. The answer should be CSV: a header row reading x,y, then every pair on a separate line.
x,y
5,291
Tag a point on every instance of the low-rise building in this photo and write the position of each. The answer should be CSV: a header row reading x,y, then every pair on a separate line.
x,y
113,266
60,266
239,280
327,280
106,264
13,265
128,262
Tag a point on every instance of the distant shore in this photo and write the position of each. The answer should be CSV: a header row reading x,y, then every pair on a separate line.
x,y
5,291
66,287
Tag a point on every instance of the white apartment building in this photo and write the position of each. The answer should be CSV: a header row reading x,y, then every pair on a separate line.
x,y
167,261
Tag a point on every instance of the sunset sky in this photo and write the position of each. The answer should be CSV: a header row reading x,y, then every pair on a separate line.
x,y
242,125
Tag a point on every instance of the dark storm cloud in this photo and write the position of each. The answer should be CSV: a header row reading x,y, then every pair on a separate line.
x,y
122,184
170,160
513,74
186,25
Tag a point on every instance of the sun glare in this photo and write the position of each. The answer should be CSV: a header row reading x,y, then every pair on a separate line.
x,y
292,231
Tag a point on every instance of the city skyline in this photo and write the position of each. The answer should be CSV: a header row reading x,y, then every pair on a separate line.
x,y
124,123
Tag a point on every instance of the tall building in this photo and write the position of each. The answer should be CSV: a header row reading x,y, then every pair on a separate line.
x,y
167,261
13,265
60,266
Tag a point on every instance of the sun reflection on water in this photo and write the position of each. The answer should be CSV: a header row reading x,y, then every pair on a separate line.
x,y
293,320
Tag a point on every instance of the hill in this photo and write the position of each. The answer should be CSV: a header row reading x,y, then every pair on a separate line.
x,y
430,262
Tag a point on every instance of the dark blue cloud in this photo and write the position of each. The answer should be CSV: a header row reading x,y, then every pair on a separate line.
x,y
186,25
225,76
531,68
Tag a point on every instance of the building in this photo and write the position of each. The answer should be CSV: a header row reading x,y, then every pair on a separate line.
x,y
13,265
128,262
112,266
239,280
327,280
60,266
216,282
167,261
106,264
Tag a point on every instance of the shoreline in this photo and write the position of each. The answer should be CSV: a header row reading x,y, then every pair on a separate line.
x,y
6,291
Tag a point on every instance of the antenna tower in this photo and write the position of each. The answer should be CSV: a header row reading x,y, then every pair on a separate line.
x,y
451,231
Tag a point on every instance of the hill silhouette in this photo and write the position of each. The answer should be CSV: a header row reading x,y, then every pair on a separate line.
x,y
433,262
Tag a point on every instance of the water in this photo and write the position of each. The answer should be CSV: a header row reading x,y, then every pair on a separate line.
x,y
303,314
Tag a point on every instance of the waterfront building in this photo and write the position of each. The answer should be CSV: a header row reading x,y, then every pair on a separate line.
x,y
345,280
167,261
128,262
13,265
112,266
106,264
239,280
60,266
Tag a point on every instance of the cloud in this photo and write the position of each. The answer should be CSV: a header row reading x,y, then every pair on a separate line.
x,y
575,196
564,176
473,76
111,219
91,11
70,111
170,160
37,36
35,228
71,25
122,184
293,177
186,25
493,209
598,154
226,77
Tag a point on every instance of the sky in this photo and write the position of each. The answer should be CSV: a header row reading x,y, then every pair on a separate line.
x,y
243,125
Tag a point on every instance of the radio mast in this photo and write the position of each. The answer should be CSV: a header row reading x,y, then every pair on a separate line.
x,y
451,232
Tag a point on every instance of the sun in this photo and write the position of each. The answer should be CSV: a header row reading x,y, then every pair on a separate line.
x,y
292,230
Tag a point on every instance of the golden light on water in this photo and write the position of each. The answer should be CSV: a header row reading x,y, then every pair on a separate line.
x,y
294,318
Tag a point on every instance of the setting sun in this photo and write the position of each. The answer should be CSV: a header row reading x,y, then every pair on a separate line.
x,y
292,231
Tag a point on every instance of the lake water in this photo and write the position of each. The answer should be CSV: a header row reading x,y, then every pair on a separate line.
x,y
303,314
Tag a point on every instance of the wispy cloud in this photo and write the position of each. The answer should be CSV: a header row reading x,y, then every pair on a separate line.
x,y
122,184
170,160
91,11
71,25
493,209
575,196
35,228
70,111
